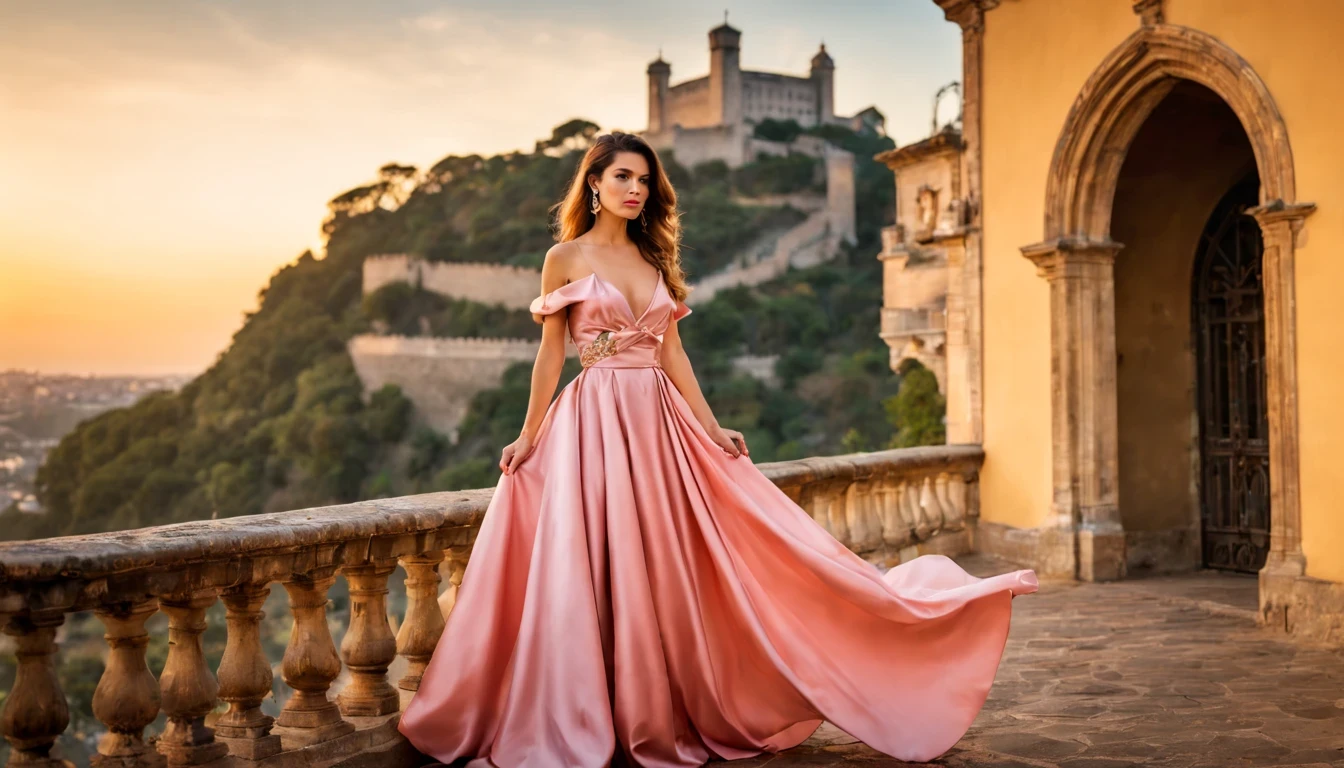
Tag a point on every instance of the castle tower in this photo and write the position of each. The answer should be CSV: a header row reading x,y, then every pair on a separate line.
x,y
660,74
725,75
823,74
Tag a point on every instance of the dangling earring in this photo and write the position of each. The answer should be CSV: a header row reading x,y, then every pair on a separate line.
x,y
597,204
643,219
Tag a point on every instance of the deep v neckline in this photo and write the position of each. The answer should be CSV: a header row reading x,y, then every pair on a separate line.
x,y
629,308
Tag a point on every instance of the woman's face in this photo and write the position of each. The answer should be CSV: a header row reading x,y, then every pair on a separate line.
x,y
624,186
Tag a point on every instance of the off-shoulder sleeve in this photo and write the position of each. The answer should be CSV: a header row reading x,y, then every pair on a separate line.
x,y
681,311
569,293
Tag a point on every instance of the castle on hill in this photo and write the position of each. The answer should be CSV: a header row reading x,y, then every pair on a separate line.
x,y
714,116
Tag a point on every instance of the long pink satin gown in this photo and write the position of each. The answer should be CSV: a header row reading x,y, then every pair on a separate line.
x,y
635,588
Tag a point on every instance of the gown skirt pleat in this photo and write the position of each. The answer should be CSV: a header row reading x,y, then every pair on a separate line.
x,y
635,594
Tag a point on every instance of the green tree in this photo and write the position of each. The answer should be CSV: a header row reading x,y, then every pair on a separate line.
x,y
918,410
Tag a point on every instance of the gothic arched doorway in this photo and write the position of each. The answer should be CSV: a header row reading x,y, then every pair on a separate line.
x,y
1229,326
1077,257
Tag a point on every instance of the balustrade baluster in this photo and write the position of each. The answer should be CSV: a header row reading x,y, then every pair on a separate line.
x,y
858,517
369,646
127,697
835,514
954,510
189,690
930,512
310,665
423,625
910,509
245,676
35,713
456,565
895,531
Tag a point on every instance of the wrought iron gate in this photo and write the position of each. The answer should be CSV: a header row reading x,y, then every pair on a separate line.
x,y
1233,417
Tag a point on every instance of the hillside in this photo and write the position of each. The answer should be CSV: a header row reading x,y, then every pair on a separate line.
x,y
278,421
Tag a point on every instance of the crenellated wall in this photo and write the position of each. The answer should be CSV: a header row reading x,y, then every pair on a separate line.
x,y
514,287
693,146
439,375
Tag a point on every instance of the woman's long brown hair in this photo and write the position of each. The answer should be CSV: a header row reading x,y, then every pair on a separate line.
x,y
660,241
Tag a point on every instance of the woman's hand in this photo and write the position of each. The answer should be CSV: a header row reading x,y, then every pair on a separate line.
x,y
728,440
515,453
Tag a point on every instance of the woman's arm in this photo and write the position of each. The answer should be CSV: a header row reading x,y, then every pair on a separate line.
x,y
550,360
678,368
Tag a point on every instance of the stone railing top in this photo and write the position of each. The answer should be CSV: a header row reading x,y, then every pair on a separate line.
x,y
395,342
73,572
489,266
964,459
104,554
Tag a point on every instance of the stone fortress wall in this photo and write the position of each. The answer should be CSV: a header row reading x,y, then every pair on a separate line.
x,y
513,287
441,375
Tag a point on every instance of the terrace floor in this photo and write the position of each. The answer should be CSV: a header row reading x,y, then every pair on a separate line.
x,y
1169,672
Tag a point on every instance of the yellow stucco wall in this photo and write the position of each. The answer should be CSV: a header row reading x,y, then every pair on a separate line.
x,y
1036,58
1037,54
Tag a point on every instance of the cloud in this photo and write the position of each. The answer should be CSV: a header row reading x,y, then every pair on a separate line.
x,y
431,23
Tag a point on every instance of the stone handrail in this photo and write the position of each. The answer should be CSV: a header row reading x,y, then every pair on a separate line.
x,y
884,505
898,322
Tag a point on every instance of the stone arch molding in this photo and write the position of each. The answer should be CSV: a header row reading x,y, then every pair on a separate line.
x,y
1077,258
1120,96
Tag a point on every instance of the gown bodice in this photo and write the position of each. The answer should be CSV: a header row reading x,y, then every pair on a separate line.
x,y
604,326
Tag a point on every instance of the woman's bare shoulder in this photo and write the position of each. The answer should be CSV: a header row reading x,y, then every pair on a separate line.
x,y
563,264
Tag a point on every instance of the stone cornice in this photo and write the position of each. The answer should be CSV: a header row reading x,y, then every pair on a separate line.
x,y
1150,11
967,14
1277,211
1052,257
946,142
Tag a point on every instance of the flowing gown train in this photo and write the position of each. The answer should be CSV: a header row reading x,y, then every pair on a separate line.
x,y
636,593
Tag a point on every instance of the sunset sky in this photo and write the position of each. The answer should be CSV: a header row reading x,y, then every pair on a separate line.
x,y
159,160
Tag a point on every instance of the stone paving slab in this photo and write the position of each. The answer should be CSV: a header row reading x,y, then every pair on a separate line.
x,y
1166,672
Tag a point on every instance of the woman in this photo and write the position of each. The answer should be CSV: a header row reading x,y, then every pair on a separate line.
x,y
639,592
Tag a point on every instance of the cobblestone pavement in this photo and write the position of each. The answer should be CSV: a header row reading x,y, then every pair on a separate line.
x,y
1169,672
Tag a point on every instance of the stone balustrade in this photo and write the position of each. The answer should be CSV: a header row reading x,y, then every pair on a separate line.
x,y
890,506
887,505
904,323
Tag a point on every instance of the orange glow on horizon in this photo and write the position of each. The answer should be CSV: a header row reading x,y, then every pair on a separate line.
x,y
159,162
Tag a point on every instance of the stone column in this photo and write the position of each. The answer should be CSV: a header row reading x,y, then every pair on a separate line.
x,y
1084,427
35,713
423,625
970,16
127,698
310,665
962,387
189,690
369,647
245,677
1280,227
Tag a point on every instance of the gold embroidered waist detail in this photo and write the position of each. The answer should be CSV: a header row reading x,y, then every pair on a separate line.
x,y
609,343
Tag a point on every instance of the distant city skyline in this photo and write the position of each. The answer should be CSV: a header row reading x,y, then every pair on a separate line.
x,y
163,159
